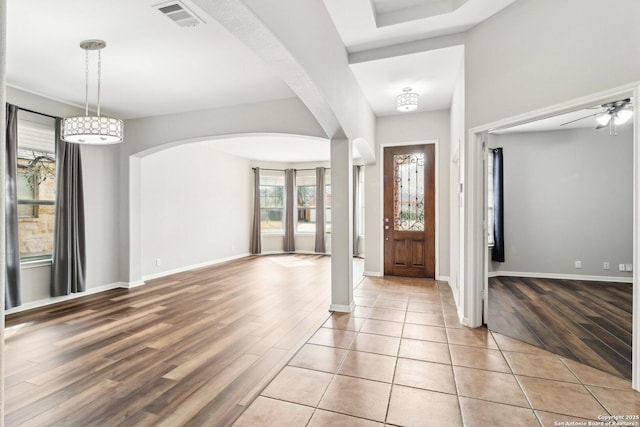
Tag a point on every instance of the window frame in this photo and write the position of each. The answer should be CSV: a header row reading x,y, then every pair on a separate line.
x,y
36,140
280,177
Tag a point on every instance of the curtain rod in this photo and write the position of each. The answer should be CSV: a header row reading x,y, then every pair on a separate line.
x,y
37,112
282,170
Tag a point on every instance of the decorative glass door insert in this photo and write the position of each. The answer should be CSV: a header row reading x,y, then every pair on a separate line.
x,y
408,192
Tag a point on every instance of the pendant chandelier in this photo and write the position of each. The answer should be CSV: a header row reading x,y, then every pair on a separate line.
x,y
89,129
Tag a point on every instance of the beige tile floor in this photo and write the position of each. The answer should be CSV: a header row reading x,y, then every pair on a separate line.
x,y
403,359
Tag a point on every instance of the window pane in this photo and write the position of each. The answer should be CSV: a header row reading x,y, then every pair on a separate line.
x,y
306,202
327,207
271,202
271,219
36,181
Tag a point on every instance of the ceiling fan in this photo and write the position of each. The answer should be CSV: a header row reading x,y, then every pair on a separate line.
x,y
611,113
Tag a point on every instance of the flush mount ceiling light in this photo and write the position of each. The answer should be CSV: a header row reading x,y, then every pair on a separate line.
x,y
407,101
87,129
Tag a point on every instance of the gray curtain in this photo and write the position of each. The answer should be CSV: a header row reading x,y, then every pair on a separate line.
x,y
356,208
256,239
289,189
12,247
497,252
320,242
68,271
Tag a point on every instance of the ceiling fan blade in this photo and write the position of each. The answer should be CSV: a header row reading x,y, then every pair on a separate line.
x,y
581,118
601,126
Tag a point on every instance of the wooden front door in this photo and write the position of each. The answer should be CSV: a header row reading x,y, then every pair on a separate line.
x,y
409,211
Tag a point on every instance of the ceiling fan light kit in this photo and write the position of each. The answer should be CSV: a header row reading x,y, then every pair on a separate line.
x,y
90,129
614,114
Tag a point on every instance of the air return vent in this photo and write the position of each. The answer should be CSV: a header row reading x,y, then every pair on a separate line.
x,y
179,13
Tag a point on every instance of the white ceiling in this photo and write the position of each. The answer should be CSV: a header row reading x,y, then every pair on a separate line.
x,y
432,75
356,19
151,66
382,27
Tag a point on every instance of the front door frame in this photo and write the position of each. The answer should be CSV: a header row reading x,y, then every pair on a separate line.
x,y
474,252
380,221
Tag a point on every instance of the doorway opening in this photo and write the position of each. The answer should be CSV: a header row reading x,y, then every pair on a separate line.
x,y
563,280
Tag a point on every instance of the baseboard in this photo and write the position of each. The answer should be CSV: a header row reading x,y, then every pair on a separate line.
x,y
294,252
373,273
341,308
442,279
55,300
562,276
191,267
130,285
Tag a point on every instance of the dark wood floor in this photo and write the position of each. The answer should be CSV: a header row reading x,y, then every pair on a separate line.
x,y
189,349
589,322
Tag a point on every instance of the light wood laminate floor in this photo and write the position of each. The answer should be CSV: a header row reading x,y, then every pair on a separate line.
x,y
189,349
589,322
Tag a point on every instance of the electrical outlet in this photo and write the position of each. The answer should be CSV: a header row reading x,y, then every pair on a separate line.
x,y
158,262
621,267
578,264
629,267
606,265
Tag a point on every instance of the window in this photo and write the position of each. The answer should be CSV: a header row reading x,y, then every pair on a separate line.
x,y
490,201
272,203
36,185
327,202
306,202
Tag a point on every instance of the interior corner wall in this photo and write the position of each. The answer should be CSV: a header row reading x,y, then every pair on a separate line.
x,y
568,196
537,53
409,128
457,126
100,179
196,208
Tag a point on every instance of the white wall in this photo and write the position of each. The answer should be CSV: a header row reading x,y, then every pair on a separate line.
x,y
148,135
409,128
196,207
568,196
537,53
457,124
532,55
100,178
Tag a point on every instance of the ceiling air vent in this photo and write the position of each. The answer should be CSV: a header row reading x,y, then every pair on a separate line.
x,y
179,13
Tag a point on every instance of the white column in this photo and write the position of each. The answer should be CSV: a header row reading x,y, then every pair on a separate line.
x,y
341,226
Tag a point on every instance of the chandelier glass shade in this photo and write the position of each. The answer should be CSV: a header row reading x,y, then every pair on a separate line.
x,y
92,129
407,101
